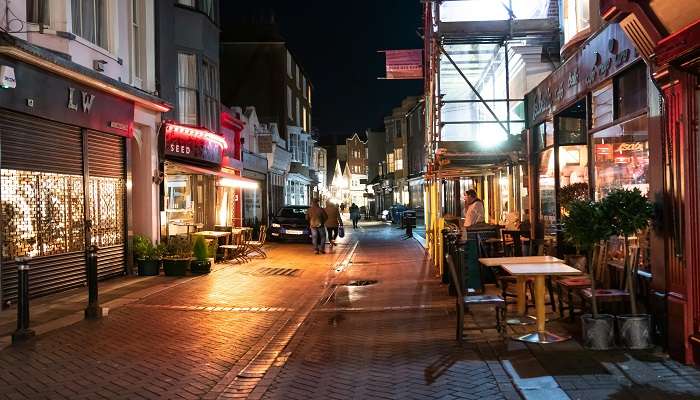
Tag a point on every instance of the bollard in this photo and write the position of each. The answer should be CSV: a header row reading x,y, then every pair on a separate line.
x,y
93,310
23,332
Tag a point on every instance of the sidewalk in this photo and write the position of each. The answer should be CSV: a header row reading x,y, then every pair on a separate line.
x,y
394,339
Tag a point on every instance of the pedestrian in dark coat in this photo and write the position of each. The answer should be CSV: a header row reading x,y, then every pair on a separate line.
x,y
354,214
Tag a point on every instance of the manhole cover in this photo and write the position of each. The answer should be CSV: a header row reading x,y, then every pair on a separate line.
x,y
361,283
289,272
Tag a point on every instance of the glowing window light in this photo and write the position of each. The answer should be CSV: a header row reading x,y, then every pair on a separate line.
x,y
197,134
237,183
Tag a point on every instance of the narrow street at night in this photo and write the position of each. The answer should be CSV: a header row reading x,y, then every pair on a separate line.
x,y
394,199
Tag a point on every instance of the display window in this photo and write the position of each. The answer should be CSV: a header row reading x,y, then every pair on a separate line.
x,y
621,155
548,202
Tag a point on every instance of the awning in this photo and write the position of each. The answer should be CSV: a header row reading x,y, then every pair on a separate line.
x,y
227,179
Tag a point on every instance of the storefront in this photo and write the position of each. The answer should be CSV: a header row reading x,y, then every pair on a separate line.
x,y
64,145
670,38
255,199
197,192
589,131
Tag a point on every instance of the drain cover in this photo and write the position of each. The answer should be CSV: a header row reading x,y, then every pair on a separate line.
x,y
289,272
361,283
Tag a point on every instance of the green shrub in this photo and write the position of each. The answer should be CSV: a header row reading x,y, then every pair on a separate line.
x,y
179,247
200,249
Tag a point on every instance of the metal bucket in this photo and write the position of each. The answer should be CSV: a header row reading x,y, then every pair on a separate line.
x,y
635,331
598,332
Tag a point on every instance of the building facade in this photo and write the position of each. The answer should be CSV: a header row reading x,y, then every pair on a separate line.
x,y
357,170
77,95
667,37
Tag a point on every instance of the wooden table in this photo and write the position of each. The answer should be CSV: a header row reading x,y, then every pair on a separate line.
x,y
539,271
520,286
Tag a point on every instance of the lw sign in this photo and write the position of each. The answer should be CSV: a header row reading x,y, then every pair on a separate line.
x,y
80,100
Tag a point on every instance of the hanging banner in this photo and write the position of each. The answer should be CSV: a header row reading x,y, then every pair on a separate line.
x,y
404,64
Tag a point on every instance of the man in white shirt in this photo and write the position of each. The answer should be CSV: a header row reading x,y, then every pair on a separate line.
x,y
475,209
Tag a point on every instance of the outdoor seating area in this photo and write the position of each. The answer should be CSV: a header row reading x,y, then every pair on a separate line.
x,y
498,269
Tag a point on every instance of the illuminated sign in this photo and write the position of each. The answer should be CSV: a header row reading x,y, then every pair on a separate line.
x,y
193,143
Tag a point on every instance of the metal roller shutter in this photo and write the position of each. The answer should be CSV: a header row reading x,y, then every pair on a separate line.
x,y
42,198
106,162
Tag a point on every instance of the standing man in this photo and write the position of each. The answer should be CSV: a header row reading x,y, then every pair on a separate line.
x,y
333,221
317,217
475,209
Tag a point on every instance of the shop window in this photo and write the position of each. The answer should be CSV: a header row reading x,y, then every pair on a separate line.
x,y
42,214
210,90
621,155
187,88
544,135
548,212
107,210
89,20
571,131
38,12
576,18
602,106
631,91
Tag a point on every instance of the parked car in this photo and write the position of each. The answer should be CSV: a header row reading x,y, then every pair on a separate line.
x,y
290,224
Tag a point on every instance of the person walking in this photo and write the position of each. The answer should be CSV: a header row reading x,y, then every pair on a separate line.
x,y
354,215
333,221
475,209
317,218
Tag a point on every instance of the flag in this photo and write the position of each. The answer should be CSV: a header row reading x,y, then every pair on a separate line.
x,y
404,64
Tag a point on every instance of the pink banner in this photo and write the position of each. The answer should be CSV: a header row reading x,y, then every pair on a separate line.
x,y
404,64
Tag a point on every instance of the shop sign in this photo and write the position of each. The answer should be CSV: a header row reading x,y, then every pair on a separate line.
x,y
599,59
49,96
265,143
193,144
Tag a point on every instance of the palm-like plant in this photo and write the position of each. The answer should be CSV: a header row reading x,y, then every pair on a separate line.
x,y
584,226
628,212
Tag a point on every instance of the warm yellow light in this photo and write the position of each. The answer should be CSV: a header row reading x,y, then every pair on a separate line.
x,y
237,183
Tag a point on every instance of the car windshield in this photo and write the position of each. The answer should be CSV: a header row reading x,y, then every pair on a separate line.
x,y
292,213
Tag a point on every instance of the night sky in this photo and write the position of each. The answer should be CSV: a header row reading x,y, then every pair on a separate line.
x,y
336,43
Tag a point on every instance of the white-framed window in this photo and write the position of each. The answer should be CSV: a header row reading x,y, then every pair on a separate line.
x,y
390,162
210,91
294,146
89,20
187,88
576,17
138,43
303,87
38,12
290,106
303,115
297,102
298,78
289,64
398,158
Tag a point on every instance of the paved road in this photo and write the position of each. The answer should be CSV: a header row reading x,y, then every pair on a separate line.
x,y
368,321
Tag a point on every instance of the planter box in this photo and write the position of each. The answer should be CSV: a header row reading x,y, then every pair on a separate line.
x,y
200,267
148,267
599,332
176,267
635,331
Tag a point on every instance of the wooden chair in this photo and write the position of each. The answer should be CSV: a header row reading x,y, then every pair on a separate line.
x,y
574,284
237,249
464,301
256,246
608,297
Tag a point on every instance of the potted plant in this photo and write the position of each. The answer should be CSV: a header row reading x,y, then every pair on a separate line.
x,y
148,256
584,226
178,256
567,195
629,212
201,263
